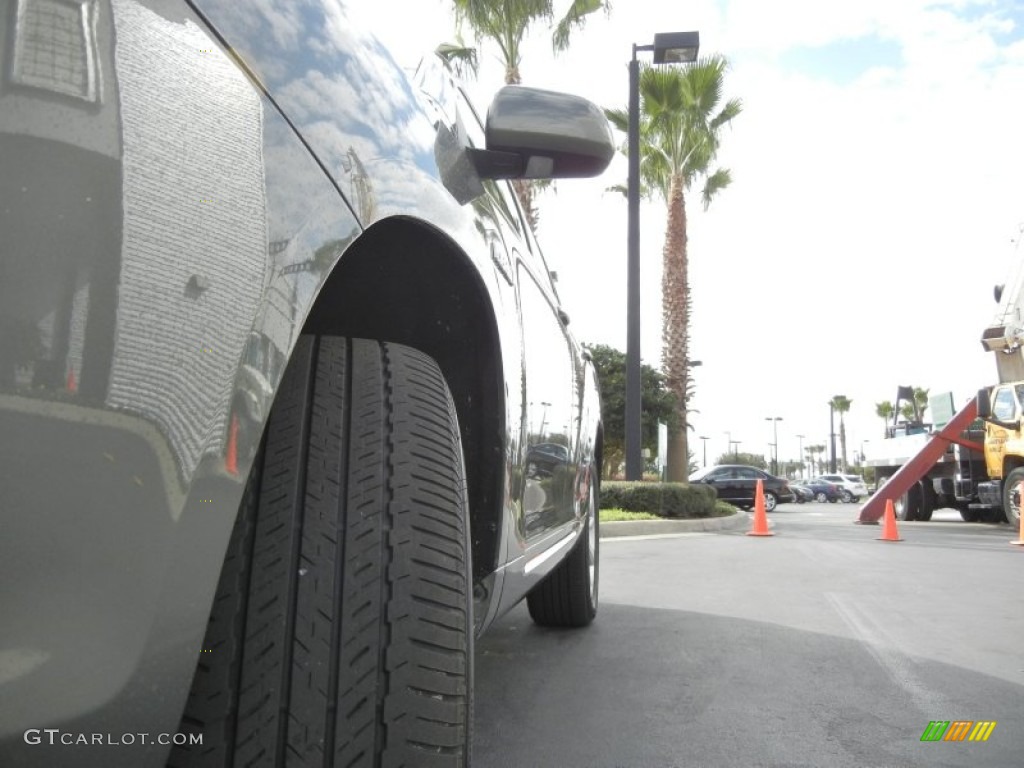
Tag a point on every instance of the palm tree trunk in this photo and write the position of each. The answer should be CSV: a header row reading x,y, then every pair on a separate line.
x,y
675,329
842,440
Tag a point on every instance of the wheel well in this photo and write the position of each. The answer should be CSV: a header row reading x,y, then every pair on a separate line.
x,y
1011,463
404,282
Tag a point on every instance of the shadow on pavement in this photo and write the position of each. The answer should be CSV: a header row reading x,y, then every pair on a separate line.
x,y
652,688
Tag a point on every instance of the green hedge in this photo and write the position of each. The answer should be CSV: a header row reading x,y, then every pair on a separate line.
x,y
662,499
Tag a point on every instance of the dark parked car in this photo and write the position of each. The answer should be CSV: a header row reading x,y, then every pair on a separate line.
x,y
851,487
802,492
824,491
737,484
289,407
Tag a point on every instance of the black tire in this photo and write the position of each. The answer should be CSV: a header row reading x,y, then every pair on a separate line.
x,y
821,497
342,629
969,515
771,501
908,506
846,496
1011,496
567,597
929,501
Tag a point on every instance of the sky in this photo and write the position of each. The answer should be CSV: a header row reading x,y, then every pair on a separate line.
x,y
876,200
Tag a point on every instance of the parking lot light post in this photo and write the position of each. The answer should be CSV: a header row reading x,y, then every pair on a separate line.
x,y
800,456
705,439
775,450
668,48
832,434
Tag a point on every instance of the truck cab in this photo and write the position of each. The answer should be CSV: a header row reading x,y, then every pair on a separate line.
x,y
1002,411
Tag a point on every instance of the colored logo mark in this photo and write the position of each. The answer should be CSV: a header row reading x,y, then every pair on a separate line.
x,y
958,730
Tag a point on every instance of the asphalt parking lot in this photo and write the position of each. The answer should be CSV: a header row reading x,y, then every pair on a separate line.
x,y
818,646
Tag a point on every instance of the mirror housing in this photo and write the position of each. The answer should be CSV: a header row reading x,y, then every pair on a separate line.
x,y
537,134
984,402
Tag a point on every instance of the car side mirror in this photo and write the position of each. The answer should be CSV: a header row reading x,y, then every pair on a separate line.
x,y
537,134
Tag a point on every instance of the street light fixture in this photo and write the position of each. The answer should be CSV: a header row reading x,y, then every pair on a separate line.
x,y
669,48
775,433
705,439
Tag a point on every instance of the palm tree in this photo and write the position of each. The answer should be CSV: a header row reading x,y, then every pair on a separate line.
x,y
812,450
681,121
884,410
841,405
506,23
920,403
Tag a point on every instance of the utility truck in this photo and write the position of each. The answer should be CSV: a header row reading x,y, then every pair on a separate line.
x,y
950,479
971,459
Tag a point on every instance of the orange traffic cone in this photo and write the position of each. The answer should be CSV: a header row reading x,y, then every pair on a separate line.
x,y
1020,499
760,518
889,530
231,455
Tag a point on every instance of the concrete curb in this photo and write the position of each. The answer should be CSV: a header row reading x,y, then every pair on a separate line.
x,y
655,527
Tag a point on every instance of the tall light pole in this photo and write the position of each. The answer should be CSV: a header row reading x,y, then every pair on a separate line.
x,y
673,47
735,449
832,433
775,433
705,439
800,456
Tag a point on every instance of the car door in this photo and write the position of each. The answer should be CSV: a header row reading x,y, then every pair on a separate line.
x,y
745,483
724,481
551,413
1005,409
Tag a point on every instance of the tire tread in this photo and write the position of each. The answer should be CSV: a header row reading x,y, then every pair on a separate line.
x,y
345,596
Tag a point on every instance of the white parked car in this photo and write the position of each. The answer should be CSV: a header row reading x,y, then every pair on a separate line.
x,y
853,487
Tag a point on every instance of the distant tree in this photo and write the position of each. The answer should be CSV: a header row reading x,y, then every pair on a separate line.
x,y
816,450
790,468
841,405
884,410
657,404
913,406
747,459
920,402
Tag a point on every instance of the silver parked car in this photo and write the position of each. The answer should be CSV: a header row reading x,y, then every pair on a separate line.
x,y
289,407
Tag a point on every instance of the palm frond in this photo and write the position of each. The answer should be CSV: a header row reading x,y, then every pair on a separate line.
x,y
731,109
714,183
619,118
458,58
575,18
